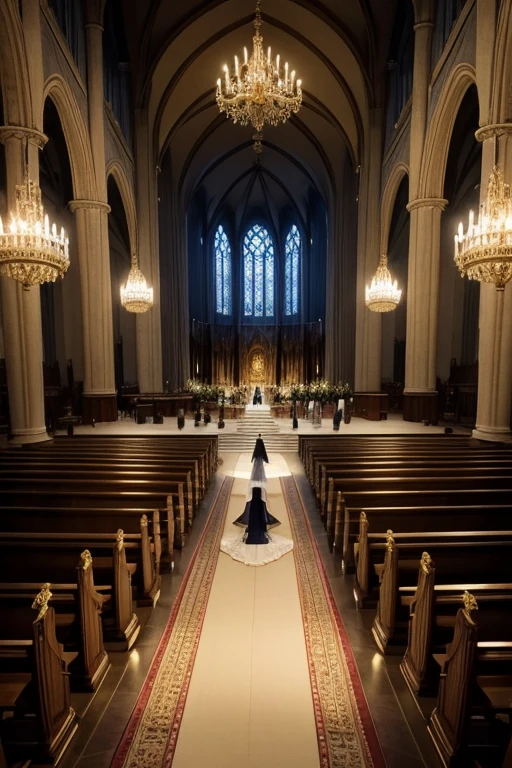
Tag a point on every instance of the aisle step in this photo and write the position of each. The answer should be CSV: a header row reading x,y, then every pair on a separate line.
x,y
275,443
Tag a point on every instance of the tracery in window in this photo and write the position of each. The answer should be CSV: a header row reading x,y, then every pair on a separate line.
x,y
292,271
258,273
223,283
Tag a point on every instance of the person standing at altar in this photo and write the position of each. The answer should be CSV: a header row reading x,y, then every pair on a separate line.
x,y
256,400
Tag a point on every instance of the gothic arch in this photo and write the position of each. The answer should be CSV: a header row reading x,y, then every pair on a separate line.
x,y
439,134
76,135
388,202
14,80
118,173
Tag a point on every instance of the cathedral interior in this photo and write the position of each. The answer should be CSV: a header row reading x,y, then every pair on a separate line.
x,y
227,178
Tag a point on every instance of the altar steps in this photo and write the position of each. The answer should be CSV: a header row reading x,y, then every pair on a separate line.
x,y
255,421
233,442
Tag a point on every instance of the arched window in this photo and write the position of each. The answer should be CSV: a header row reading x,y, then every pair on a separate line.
x,y
258,273
223,302
292,272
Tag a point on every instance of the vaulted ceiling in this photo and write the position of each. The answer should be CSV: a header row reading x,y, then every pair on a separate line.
x,y
338,49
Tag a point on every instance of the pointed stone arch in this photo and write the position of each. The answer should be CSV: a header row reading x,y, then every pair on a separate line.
x,y
118,173
388,202
14,80
440,131
76,136
501,104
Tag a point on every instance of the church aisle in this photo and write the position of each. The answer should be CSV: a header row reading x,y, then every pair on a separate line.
x,y
260,690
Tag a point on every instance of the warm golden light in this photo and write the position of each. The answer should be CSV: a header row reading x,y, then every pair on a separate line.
x,y
484,252
256,93
135,294
30,251
383,294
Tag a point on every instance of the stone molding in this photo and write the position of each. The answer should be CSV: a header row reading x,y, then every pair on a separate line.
x,y
493,129
21,132
76,205
427,202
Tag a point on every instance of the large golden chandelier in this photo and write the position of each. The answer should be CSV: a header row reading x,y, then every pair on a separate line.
x,y
485,252
258,92
31,251
383,294
135,294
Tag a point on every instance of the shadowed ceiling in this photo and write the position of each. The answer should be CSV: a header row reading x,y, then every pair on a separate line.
x,y
177,51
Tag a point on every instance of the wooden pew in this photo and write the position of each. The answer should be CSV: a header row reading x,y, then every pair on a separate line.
x,y
350,504
484,558
34,688
432,611
79,623
413,521
55,551
475,685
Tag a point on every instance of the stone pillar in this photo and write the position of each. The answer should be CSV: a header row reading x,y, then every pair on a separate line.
x,y
21,310
148,325
99,402
495,319
420,396
369,324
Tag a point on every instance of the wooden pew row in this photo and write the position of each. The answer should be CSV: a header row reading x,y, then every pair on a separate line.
x,y
485,557
34,689
171,482
414,522
106,493
475,687
55,553
109,469
404,477
401,467
78,619
432,610
158,527
350,504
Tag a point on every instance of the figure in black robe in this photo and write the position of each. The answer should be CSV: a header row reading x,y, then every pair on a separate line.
x,y
256,400
256,519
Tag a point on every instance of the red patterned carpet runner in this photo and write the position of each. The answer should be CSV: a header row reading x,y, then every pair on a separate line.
x,y
346,733
149,740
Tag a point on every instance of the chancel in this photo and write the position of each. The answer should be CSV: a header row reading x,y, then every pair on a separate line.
x,y
269,223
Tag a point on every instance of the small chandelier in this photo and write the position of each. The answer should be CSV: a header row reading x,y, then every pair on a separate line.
x,y
383,295
30,251
258,92
485,252
135,294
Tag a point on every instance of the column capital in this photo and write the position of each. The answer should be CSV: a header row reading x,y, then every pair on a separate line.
x,y
427,202
423,25
21,132
493,129
77,205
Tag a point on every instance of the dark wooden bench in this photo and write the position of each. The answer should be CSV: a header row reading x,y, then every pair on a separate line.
x,y
350,504
34,687
475,687
483,556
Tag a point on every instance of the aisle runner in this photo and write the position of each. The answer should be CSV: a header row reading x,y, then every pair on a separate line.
x,y
150,737
346,734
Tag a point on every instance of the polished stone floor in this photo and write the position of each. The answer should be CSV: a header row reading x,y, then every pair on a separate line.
x,y
400,726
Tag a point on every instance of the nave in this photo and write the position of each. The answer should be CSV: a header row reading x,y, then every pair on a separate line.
x,y
250,695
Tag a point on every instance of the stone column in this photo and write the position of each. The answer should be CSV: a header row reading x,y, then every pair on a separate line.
x,y
495,319
148,325
420,396
21,310
99,401
369,324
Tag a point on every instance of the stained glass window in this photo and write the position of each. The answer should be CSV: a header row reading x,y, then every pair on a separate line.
x,y
223,301
258,273
292,272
